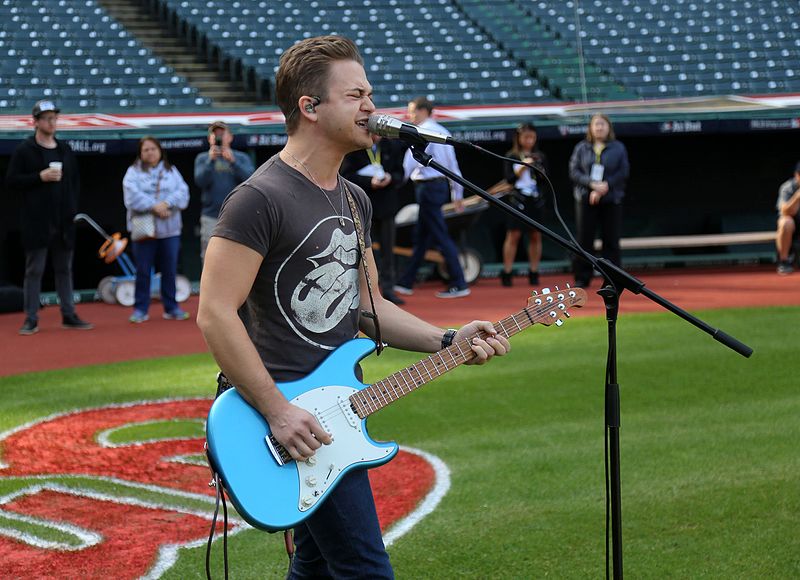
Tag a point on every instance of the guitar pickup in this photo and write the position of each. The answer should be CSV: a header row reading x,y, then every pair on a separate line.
x,y
279,453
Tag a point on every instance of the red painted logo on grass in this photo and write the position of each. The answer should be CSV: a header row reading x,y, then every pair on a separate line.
x,y
82,503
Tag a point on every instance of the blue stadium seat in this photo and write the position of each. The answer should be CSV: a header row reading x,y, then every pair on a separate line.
x,y
75,52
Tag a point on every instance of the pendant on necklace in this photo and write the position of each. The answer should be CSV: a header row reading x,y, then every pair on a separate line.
x,y
341,221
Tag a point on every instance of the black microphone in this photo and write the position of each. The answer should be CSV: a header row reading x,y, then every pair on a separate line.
x,y
387,126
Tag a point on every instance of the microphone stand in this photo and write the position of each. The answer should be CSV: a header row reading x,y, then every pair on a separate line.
x,y
617,280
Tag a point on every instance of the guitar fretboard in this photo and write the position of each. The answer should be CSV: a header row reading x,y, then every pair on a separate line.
x,y
545,309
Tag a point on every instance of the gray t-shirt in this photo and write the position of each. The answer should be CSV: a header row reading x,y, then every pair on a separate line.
x,y
304,300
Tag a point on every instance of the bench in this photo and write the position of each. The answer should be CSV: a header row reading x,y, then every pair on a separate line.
x,y
693,241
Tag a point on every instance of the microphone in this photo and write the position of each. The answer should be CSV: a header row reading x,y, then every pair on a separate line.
x,y
387,126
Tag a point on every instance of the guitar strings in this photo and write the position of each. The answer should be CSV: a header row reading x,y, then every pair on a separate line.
x,y
536,312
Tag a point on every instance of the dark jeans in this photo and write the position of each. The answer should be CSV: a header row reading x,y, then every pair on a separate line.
x,y
383,232
342,539
431,231
163,254
587,217
35,261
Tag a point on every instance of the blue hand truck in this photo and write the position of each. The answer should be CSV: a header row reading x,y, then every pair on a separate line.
x,y
122,289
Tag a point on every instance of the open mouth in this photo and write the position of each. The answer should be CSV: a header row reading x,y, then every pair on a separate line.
x,y
362,123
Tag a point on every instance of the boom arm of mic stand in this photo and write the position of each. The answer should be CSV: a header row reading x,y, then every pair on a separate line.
x,y
617,276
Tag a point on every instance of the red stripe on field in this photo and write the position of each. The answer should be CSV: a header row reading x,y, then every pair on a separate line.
x,y
131,538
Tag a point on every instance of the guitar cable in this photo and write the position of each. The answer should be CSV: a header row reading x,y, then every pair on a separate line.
x,y
220,499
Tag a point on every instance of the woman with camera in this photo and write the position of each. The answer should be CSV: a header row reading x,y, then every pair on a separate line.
x,y
526,197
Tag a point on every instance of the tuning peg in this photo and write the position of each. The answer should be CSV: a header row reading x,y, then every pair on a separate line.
x,y
567,314
534,293
557,288
545,290
559,322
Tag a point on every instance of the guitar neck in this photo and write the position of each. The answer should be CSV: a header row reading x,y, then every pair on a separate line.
x,y
386,391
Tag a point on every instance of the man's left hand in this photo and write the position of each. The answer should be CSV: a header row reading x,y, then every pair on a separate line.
x,y
484,348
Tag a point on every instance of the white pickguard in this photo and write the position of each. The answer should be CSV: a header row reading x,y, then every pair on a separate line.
x,y
330,405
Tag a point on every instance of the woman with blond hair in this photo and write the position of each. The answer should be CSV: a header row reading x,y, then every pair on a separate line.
x,y
599,170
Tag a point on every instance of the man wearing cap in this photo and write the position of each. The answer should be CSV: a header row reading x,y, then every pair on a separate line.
x,y
216,172
44,172
788,207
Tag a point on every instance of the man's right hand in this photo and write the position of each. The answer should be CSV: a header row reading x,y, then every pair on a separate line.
x,y
298,431
50,174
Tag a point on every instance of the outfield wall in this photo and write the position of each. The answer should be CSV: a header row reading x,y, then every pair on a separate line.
x,y
687,176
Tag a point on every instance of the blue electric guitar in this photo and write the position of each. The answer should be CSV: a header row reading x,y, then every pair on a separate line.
x,y
273,492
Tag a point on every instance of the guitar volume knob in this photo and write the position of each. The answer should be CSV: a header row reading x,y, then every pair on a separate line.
x,y
307,501
311,481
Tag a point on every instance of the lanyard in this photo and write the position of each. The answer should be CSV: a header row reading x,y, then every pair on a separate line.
x,y
374,156
598,150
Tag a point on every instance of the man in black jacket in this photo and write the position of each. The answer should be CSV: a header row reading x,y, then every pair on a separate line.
x,y
44,172
379,172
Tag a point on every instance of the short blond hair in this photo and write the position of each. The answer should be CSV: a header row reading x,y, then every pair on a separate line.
x,y
303,71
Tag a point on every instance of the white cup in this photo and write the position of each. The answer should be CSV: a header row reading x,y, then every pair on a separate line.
x,y
56,165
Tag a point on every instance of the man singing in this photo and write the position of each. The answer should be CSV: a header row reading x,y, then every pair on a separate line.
x,y
286,247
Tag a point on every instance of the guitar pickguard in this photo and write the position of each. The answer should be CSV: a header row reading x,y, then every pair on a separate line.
x,y
331,406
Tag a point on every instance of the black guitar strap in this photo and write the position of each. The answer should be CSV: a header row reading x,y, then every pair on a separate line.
x,y
363,249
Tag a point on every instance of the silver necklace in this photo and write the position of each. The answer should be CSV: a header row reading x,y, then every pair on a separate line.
x,y
324,193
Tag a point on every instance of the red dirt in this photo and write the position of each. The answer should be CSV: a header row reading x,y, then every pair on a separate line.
x,y
115,339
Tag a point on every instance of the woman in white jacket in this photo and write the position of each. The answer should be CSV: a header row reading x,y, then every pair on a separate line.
x,y
153,187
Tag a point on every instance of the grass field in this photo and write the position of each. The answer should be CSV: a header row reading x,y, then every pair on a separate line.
x,y
709,450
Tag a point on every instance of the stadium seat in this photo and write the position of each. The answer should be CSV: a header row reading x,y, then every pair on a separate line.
x,y
75,52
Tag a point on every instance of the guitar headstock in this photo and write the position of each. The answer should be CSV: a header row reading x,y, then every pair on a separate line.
x,y
552,306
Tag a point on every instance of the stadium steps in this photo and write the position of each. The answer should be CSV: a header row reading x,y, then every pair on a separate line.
x,y
152,34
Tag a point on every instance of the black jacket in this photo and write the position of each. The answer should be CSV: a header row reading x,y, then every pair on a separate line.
x,y
38,199
384,201
539,161
614,159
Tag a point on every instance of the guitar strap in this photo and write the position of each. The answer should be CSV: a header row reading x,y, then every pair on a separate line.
x,y
362,248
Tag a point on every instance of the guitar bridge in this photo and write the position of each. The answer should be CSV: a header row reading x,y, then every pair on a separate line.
x,y
279,453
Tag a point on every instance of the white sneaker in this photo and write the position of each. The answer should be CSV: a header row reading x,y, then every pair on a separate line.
x,y
403,290
454,293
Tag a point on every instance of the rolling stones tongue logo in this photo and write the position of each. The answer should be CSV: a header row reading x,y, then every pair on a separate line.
x,y
324,295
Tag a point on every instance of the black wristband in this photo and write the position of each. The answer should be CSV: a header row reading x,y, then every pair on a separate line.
x,y
447,337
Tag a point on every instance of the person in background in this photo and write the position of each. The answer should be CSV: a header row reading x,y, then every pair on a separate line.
x,y
433,190
153,186
527,198
44,171
216,172
379,172
599,171
788,207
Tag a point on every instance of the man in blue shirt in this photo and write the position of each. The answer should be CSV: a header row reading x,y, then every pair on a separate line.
x,y
216,172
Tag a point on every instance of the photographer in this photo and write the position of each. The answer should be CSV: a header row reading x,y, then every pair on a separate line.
x,y
216,172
